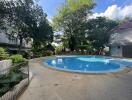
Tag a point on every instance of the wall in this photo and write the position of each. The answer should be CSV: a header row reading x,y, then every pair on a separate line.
x,y
5,64
121,38
127,51
4,38
116,51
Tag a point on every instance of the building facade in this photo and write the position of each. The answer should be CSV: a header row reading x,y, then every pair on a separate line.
x,y
121,40
11,43
57,40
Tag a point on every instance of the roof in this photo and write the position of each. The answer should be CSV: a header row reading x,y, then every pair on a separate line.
x,y
123,26
121,38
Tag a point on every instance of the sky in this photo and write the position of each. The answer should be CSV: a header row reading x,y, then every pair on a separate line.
x,y
114,9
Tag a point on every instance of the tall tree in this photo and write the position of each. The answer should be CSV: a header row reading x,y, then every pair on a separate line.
x,y
99,31
40,29
21,11
71,18
5,13
27,20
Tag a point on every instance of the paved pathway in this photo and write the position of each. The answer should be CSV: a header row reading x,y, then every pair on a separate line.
x,y
48,84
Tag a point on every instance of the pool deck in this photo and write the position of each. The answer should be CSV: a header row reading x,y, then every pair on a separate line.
x,y
48,84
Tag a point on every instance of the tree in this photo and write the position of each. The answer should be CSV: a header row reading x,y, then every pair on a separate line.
x,y
71,18
2,12
65,42
99,31
27,20
5,13
40,29
21,12
14,14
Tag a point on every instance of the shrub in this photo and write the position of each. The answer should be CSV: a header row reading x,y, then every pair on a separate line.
x,y
3,54
58,50
28,55
11,79
84,47
17,58
48,53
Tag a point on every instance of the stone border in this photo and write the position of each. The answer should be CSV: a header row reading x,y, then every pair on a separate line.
x,y
18,89
5,64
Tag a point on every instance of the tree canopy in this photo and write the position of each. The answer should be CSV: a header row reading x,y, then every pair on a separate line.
x,y
74,21
27,20
71,18
99,31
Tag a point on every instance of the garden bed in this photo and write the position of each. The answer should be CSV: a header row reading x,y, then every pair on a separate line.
x,y
19,74
15,92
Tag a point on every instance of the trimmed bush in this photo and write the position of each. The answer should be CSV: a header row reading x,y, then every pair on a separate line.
x,y
17,58
3,54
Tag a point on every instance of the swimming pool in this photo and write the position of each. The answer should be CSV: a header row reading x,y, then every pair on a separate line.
x,y
87,64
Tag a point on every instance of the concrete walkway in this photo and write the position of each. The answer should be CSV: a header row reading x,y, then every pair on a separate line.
x,y
48,84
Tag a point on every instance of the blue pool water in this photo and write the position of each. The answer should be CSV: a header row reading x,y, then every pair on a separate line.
x,y
87,64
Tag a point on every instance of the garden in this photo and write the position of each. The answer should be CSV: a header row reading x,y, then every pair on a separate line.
x,y
14,74
26,22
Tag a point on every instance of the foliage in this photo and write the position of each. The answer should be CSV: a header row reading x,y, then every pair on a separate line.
x,y
8,81
99,31
84,47
37,53
58,50
74,5
79,30
42,34
40,50
65,42
71,20
17,58
49,47
48,53
3,54
26,19
28,55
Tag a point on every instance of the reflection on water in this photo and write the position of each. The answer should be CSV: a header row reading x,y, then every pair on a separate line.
x,y
53,62
87,65
81,66
92,59
59,60
107,61
65,67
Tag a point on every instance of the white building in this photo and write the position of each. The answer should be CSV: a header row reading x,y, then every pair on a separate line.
x,y
57,40
121,40
12,43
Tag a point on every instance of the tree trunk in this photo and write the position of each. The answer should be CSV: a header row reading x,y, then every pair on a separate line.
x,y
21,43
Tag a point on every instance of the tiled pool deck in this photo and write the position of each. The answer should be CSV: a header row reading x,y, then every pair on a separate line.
x,y
48,84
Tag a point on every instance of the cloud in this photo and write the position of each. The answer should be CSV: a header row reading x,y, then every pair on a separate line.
x,y
115,12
